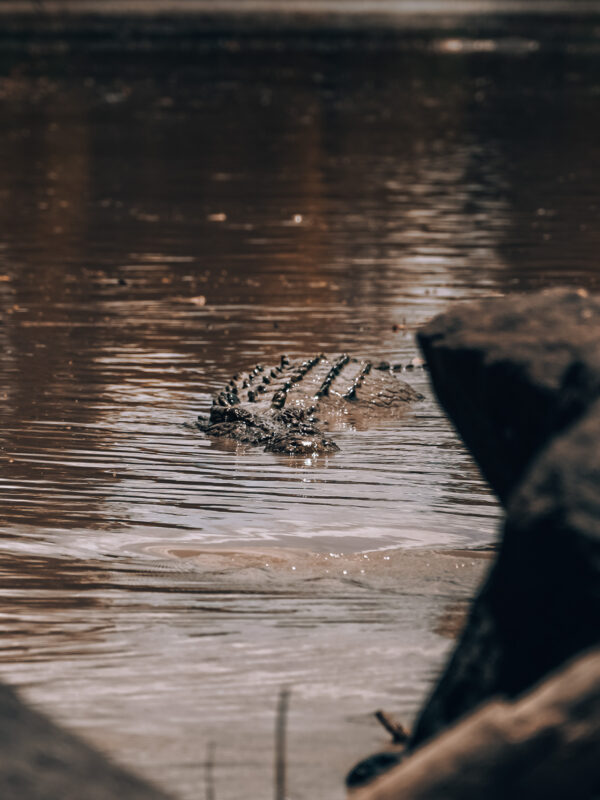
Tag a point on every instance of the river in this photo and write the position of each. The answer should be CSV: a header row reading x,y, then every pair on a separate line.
x,y
171,216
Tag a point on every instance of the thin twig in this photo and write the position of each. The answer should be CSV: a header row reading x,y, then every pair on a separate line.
x,y
280,743
209,765
396,729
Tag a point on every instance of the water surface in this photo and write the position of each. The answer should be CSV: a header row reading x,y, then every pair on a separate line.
x,y
169,218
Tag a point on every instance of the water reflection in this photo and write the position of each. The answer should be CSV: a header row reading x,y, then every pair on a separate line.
x,y
167,228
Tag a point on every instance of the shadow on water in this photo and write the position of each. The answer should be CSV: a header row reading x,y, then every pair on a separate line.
x,y
168,219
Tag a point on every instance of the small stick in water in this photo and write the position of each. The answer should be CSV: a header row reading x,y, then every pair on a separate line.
x,y
396,729
280,743
209,778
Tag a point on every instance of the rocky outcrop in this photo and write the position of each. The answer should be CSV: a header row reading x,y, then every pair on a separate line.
x,y
512,372
541,602
521,379
39,760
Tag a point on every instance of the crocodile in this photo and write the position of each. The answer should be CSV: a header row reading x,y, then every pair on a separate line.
x,y
284,408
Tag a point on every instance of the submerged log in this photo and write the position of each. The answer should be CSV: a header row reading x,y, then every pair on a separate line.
x,y
544,746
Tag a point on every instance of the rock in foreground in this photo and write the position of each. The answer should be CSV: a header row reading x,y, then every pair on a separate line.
x,y
512,372
41,761
543,746
541,602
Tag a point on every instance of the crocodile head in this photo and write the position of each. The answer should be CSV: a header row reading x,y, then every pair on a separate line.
x,y
297,442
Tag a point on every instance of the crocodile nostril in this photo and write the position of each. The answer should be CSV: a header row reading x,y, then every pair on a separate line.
x,y
279,399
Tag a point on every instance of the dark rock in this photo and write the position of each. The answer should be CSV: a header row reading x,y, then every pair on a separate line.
x,y
372,767
520,378
541,746
41,761
512,372
541,602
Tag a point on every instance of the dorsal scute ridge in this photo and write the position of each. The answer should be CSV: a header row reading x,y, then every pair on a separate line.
x,y
251,407
323,390
351,393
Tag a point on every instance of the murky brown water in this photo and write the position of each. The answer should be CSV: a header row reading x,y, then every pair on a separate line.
x,y
196,214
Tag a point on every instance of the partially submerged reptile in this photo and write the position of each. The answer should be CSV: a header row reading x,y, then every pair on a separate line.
x,y
279,407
